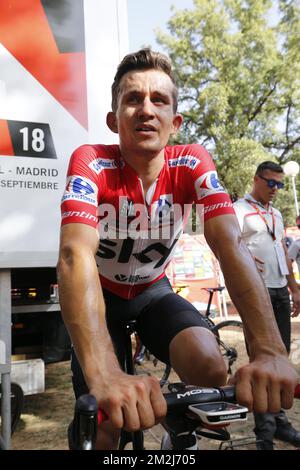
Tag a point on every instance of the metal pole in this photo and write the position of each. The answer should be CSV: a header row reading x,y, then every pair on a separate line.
x,y
5,355
295,195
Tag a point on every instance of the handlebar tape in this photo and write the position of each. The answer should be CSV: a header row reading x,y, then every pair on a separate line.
x,y
102,416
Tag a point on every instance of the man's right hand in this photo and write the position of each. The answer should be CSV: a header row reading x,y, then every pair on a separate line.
x,y
131,402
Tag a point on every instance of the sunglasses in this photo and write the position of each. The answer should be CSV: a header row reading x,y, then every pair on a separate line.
x,y
272,183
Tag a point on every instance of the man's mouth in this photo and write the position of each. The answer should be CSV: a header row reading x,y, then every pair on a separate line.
x,y
145,128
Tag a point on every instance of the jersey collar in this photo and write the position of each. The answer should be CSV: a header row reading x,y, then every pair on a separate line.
x,y
251,198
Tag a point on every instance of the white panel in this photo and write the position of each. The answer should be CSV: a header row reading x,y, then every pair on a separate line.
x,y
30,375
30,218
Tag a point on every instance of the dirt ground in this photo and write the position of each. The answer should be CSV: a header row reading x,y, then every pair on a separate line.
x,y
46,416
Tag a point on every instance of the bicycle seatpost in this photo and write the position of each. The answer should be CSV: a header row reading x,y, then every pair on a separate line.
x,y
211,293
83,429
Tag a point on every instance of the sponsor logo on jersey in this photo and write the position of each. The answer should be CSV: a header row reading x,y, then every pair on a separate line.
x,y
215,207
156,253
208,184
82,214
186,160
161,208
131,278
80,189
100,164
121,277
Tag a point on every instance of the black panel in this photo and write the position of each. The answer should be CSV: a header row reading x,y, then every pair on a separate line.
x,y
38,279
31,139
66,20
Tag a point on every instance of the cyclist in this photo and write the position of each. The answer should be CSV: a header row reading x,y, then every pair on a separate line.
x,y
263,232
115,191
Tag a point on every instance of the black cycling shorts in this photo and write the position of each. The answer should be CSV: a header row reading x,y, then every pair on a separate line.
x,y
160,315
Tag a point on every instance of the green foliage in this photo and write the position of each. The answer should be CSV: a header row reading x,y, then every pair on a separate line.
x,y
239,81
285,202
237,163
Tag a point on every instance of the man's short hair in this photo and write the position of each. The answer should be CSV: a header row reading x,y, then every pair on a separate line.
x,y
272,166
144,59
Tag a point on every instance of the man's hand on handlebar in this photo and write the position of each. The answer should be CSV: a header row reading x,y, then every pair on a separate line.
x,y
266,384
131,402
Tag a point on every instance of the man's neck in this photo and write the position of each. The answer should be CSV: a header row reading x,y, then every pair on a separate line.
x,y
259,199
147,167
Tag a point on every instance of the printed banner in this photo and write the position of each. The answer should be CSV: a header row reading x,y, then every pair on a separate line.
x,y
57,62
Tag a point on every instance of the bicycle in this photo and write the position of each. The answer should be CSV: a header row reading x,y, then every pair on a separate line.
x,y
181,422
87,411
141,352
229,335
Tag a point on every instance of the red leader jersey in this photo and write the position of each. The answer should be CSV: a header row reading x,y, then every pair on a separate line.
x,y
137,232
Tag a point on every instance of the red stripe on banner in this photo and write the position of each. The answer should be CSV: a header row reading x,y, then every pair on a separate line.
x,y
26,34
6,147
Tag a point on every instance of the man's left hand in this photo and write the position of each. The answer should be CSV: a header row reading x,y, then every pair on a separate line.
x,y
267,384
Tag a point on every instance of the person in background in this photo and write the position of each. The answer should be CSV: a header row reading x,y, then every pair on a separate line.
x,y
294,248
288,241
263,231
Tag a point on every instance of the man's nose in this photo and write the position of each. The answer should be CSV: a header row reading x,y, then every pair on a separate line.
x,y
145,108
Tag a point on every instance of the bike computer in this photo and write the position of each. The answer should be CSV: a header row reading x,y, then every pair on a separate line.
x,y
219,412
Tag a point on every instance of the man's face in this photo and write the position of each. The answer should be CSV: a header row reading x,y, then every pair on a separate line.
x,y
262,185
144,118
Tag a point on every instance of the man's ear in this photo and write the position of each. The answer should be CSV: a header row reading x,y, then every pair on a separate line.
x,y
177,121
111,122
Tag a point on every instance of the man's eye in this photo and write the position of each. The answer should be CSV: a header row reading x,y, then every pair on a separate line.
x,y
133,99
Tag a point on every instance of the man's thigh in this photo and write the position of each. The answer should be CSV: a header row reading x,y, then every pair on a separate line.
x,y
162,320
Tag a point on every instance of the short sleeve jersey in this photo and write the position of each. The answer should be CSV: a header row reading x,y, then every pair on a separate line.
x,y
258,239
138,232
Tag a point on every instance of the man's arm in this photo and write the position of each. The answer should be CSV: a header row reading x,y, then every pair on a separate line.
x,y
129,401
293,251
268,382
292,283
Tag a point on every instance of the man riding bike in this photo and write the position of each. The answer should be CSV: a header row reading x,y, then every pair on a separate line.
x,y
113,254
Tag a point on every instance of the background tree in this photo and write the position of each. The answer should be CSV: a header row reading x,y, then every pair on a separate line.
x,y
239,79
